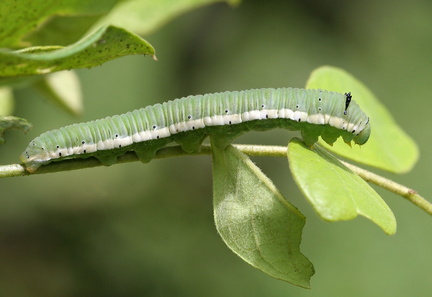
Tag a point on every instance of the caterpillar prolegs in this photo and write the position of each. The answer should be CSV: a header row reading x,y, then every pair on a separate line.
x,y
187,121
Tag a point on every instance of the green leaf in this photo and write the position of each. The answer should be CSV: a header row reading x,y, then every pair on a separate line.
x,y
335,192
63,88
62,30
6,101
143,17
20,18
103,45
9,122
389,147
255,221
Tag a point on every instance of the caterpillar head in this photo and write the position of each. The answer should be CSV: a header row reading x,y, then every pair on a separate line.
x,y
363,136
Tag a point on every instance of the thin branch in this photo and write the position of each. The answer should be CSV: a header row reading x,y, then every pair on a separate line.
x,y
251,150
77,163
391,186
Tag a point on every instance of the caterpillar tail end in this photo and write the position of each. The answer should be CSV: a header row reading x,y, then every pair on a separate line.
x,y
30,165
30,169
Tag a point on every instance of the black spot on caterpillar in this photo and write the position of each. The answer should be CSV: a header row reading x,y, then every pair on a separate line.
x,y
187,121
348,98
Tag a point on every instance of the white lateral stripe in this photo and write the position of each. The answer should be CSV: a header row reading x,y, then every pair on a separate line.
x,y
316,119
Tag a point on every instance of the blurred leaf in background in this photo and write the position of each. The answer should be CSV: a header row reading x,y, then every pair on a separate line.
x,y
54,32
30,17
143,17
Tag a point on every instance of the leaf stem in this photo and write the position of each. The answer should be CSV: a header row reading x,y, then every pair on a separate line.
x,y
251,150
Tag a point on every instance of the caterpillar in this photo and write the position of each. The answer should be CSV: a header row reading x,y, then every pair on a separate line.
x,y
189,120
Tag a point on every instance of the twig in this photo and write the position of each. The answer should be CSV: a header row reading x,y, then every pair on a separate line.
x,y
391,186
251,150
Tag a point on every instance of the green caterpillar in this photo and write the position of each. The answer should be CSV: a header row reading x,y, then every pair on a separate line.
x,y
187,121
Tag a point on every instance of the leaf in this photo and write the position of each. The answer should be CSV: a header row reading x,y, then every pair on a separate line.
x,y
10,122
335,192
63,88
255,221
144,17
19,18
103,45
6,101
389,147
62,30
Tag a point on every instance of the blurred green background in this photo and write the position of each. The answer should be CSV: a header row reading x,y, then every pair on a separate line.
x,y
147,230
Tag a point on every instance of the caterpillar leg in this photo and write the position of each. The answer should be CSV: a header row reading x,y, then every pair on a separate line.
x,y
145,155
190,142
310,136
106,159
